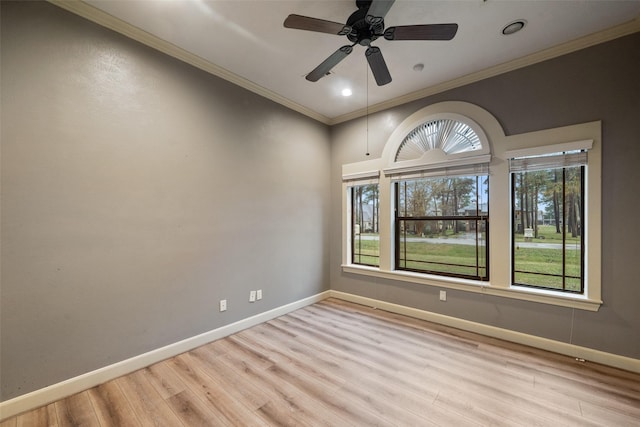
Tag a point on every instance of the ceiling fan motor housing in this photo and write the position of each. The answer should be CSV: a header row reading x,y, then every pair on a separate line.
x,y
362,32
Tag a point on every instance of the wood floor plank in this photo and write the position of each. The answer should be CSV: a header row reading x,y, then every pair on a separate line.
x,y
608,416
353,376
336,363
44,416
270,406
292,356
619,399
444,382
408,385
482,379
111,406
9,422
193,374
164,380
193,412
238,410
563,406
150,408
224,376
76,411
285,399
385,400
489,378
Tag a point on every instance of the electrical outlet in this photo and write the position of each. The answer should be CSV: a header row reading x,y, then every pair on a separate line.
x,y
259,294
223,305
443,295
252,296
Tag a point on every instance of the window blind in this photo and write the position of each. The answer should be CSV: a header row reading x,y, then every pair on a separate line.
x,y
362,178
452,171
552,161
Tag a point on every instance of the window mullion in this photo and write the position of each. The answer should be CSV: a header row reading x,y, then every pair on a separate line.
x,y
564,229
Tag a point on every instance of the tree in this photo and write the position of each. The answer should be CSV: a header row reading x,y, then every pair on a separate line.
x,y
371,194
556,201
366,195
573,200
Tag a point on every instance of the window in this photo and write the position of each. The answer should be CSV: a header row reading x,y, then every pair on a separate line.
x,y
448,168
441,226
365,225
441,207
547,211
362,218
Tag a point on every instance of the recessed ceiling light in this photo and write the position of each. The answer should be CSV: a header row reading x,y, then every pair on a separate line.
x,y
514,27
346,92
418,67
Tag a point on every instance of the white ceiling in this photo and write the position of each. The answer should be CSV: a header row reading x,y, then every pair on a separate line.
x,y
245,42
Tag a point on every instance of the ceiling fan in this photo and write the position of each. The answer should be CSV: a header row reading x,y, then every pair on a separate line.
x,y
363,27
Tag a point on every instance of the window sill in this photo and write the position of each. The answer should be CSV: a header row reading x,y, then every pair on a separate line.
x,y
515,292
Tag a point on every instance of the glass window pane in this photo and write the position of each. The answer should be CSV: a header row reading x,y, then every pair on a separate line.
x,y
443,196
547,228
365,225
442,226
433,246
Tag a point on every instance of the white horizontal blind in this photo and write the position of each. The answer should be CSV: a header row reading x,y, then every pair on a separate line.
x,y
362,178
553,161
453,171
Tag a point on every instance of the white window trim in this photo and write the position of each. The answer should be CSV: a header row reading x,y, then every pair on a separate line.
x,y
349,180
502,147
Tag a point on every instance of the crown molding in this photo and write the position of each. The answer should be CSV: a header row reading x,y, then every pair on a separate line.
x,y
106,20
93,14
593,39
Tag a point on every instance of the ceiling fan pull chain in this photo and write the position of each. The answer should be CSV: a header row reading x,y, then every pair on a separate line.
x,y
366,71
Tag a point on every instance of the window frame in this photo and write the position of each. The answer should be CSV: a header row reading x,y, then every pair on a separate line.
x,y
349,181
351,189
477,218
502,146
564,275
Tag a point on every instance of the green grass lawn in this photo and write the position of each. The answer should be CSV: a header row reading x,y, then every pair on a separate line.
x,y
441,257
366,252
536,266
547,234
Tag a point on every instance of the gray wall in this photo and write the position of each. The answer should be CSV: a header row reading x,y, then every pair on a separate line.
x,y
598,83
138,191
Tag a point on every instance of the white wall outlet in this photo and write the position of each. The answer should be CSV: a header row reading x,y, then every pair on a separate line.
x,y
259,294
223,305
252,296
443,295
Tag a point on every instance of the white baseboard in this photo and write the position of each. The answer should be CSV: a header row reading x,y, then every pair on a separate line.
x,y
83,382
58,391
588,354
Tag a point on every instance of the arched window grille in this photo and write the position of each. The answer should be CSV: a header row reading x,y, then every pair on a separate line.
x,y
448,135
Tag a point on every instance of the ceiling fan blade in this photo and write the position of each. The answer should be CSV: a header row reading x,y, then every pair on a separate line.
x,y
422,32
326,66
300,22
378,10
378,66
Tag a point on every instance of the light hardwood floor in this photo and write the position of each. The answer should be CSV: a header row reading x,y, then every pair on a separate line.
x,y
339,364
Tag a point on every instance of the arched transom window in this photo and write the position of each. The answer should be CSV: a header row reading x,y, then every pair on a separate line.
x,y
448,135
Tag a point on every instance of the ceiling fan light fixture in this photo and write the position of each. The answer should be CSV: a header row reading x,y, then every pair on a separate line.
x,y
514,27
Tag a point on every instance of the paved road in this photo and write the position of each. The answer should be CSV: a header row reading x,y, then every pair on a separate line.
x,y
468,240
